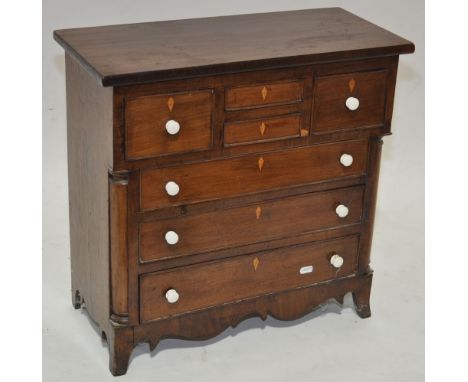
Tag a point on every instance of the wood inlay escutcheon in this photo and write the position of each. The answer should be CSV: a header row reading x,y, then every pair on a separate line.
x,y
255,263
262,128
261,162
351,84
304,132
264,93
170,103
258,212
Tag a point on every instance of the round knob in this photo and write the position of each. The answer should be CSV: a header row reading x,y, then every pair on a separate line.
x,y
172,296
352,103
171,237
172,127
336,260
346,160
172,188
342,211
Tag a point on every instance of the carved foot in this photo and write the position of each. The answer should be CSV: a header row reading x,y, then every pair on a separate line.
x,y
361,299
120,341
76,299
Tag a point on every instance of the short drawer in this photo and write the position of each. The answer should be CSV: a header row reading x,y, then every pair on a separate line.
x,y
348,101
263,130
260,95
168,124
250,174
235,227
204,285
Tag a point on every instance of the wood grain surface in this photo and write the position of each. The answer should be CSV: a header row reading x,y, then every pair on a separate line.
x,y
249,174
89,158
251,224
330,112
263,130
146,118
244,276
145,52
261,95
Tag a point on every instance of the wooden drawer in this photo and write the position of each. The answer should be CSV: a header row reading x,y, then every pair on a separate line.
x,y
263,130
330,112
256,223
146,118
250,174
263,95
204,285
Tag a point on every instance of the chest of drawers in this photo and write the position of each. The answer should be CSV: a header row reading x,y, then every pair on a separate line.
x,y
222,168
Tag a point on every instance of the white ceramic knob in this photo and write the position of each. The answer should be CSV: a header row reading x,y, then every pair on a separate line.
x,y
336,260
172,127
171,237
342,211
352,103
346,160
172,296
172,188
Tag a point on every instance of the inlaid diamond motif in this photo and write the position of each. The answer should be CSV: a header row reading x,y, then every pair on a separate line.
x,y
170,103
260,163
255,262
262,128
351,84
258,212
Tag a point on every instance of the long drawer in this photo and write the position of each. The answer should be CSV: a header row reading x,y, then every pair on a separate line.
x,y
201,286
169,238
250,174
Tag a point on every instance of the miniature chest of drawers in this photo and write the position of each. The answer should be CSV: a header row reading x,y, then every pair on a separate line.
x,y
223,168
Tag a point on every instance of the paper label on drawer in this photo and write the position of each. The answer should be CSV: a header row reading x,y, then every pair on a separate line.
x,y
306,269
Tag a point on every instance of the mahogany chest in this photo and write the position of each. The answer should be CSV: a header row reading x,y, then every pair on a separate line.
x,y
223,168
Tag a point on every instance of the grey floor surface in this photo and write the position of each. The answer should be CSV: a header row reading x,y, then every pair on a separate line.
x,y
326,345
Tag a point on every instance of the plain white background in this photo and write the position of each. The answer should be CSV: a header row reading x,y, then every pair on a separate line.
x,y
327,345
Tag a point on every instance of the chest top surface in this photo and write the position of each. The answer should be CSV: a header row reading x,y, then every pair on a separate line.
x,y
153,51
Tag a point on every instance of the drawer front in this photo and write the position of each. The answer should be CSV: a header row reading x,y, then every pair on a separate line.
x,y
250,174
262,130
331,94
205,285
263,95
146,119
250,224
